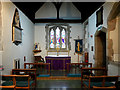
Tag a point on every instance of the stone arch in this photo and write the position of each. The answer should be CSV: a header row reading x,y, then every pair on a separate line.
x,y
100,47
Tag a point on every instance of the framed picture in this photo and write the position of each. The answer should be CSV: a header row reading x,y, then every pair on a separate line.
x,y
17,35
78,46
16,29
99,17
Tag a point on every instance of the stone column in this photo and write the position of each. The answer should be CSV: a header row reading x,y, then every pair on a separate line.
x,y
0,36
0,27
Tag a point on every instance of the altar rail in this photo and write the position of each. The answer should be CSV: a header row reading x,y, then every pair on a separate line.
x,y
42,68
75,68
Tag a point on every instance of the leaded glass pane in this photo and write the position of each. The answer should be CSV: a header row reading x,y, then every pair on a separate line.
x,y
52,38
63,38
57,38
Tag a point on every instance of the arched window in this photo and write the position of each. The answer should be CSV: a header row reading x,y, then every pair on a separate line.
x,y
57,37
52,39
63,44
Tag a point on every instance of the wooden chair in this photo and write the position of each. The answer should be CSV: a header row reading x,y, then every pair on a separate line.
x,y
14,81
43,69
86,72
30,72
101,82
9,81
74,69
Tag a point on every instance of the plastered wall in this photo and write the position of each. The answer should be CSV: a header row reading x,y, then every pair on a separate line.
x,y
76,30
10,50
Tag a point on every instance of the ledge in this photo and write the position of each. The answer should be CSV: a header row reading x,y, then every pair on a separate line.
x,y
114,62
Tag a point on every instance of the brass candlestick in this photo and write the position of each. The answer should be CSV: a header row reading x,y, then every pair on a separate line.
x,y
57,50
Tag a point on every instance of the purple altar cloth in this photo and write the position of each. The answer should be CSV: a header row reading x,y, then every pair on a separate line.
x,y
58,63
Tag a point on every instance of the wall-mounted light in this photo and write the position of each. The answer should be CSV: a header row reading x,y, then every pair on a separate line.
x,y
91,36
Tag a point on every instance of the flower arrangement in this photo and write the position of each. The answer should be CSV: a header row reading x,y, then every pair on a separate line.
x,y
1,68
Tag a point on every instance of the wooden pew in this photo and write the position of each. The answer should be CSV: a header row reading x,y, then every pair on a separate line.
x,y
30,72
11,81
101,82
43,69
74,69
86,72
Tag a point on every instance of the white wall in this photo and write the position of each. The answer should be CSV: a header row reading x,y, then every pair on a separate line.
x,y
91,29
107,7
10,50
76,30
0,57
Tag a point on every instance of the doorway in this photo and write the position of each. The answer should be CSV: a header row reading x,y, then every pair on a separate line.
x,y
100,49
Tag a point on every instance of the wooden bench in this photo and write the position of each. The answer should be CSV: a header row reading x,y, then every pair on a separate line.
x,y
101,82
12,81
74,69
43,69
30,72
86,72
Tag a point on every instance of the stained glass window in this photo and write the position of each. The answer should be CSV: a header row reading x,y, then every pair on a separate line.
x,y
63,38
52,38
57,38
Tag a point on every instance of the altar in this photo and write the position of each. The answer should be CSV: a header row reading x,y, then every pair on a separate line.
x,y
58,62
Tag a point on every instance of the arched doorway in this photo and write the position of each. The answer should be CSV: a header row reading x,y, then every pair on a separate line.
x,y
100,48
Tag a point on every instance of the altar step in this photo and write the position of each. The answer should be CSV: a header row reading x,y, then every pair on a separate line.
x,y
58,78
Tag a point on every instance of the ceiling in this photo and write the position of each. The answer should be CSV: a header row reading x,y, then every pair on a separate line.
x,y
30,8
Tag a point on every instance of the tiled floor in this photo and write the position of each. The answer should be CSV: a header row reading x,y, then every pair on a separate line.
x,y
58,84
58,81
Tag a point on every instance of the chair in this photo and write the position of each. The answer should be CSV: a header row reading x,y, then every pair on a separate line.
x,y
101,82
7,81
16,81
32,80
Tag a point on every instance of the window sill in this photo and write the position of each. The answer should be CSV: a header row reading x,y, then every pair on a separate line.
x,y
58,51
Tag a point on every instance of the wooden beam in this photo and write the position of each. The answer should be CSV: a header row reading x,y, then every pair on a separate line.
x,y
57,5
58,21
